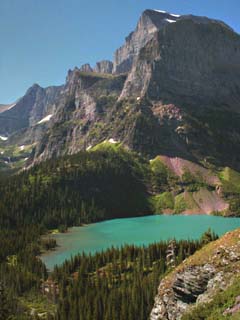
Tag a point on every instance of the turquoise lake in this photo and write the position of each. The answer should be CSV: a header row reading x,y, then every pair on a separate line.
x,y
138,231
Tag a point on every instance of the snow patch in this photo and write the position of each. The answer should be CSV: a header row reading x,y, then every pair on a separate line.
x,y
170,21
45,119
160,11
11,106
112,140
175,15
171,14
3,138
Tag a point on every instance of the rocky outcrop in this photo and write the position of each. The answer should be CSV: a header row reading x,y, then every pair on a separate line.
x,y
86,68
186,288
199,278
189,284
104,66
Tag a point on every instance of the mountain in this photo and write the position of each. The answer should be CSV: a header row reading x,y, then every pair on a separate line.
x,y
36,104
149,24
172,91
189,72
181,94
83,115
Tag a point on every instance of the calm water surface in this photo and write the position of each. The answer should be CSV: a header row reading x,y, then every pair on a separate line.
x,y
138,231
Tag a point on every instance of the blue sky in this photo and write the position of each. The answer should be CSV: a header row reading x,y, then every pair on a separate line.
x,y
42,39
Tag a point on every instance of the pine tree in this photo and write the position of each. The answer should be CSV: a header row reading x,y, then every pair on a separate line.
x,y
4,306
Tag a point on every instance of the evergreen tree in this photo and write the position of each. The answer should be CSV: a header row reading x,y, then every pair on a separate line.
x,y
4,305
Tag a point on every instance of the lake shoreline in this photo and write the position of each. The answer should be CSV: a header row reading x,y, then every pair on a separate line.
x,y
137,231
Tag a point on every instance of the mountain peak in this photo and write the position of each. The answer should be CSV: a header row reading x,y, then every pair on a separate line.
x,y
150,22
34,88
165,12
158,16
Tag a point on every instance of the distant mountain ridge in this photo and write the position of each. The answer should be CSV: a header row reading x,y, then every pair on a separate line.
x,y
173,89
5,107
28,110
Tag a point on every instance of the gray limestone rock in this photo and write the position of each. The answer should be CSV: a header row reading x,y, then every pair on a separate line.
x,y
104,66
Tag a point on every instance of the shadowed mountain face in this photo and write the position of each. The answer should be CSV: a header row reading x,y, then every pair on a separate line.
x,y
190,73
188,60
173,89
149,24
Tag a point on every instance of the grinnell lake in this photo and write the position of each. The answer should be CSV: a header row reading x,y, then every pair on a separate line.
x,y
138,231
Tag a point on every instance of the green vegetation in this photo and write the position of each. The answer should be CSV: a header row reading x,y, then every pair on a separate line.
x,y
230,181
162,178
162,202
83,188
231,189
15,151
87,187
115,284
180,203
215,309
106,182
13,157
177,204
107,146
96,75
194,182
208,236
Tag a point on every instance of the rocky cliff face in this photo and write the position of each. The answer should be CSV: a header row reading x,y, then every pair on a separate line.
x,y
150,22
86,68
198,279
36,104
85,107
189,71
181,97
182,93
190,58
104,66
